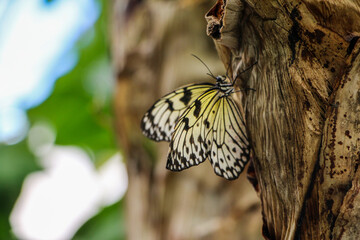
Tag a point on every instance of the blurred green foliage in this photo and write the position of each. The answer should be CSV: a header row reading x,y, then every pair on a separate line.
x,y
77,108
109,224
80,111
15,163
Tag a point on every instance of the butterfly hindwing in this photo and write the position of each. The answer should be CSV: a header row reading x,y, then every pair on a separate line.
x,y
159,121
229,151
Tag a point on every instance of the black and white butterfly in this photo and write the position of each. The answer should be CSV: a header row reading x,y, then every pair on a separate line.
x,y
201,121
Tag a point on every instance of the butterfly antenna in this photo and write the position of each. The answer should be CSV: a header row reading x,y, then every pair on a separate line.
x,y
210,73
227,71
246,69
247,89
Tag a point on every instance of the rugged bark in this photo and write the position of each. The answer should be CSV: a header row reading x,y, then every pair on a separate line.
x,y
302,119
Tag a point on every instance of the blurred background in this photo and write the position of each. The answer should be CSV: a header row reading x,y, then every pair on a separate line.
x,y
76,76
61,174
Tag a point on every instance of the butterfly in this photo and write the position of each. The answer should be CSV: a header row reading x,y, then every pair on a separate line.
x,y
201,121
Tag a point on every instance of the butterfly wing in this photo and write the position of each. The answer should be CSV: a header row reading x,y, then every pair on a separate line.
x,y
187,147
229,149
212,127
159,121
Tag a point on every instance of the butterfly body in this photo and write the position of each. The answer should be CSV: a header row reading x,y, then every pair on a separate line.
x,y
224,85
201,121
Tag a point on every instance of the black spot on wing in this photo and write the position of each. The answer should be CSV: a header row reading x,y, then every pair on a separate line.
x,y
170,104
183,160
197,108
187,96
186,124
207,124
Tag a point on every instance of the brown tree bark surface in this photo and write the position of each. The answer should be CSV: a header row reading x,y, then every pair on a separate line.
x,y
302,119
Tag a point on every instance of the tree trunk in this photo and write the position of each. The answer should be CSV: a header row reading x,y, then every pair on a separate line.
x,y
302,119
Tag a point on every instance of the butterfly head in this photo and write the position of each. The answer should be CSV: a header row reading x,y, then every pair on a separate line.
x,y
223,81
220,79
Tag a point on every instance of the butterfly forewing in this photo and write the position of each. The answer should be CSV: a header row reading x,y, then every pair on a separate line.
x,y
159,121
